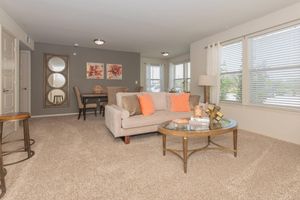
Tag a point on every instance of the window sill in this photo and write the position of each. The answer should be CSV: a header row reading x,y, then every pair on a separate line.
x,y
263,107
231,102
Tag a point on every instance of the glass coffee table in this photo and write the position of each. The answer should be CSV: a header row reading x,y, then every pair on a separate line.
x,y
186,131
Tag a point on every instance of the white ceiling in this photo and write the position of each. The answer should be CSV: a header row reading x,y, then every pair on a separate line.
x,y
145,26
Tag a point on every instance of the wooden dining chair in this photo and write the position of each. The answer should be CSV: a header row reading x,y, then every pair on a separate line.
x,y
89,106
102,104
102,108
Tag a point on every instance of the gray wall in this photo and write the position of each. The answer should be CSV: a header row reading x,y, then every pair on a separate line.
x,y
77,75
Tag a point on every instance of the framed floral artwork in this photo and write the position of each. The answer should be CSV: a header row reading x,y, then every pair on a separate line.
x,y
94,70
114,71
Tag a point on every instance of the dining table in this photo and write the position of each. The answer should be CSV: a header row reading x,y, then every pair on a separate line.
x,y
102,97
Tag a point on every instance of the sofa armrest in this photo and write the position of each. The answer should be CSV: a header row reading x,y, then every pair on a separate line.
x,y
113,118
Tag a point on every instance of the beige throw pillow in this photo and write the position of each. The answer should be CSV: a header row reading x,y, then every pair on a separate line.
x,y
131,104
159,100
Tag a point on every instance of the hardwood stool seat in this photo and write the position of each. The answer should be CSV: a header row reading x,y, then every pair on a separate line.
x,y
11,117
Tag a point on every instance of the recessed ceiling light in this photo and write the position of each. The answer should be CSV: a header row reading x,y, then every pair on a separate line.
x,y
164,53
99,41
76,45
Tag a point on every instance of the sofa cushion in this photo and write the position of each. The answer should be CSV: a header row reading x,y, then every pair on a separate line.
x,y
159,100
146,103
180,102
193,100
119,96
131,104
155,119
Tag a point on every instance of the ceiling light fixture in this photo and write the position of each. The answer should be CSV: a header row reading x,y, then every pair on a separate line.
x,y
164,53
76,45
99,41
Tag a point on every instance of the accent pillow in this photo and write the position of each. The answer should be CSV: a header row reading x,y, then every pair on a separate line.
x,y
131,104
146,103
180,102
194,101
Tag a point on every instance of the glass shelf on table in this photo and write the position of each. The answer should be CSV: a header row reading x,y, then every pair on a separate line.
x,y
197,127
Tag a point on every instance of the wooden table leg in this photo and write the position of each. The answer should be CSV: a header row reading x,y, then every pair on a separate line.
x,y
208,140
27,137
2,170
185,151
164,140
84,108
235,132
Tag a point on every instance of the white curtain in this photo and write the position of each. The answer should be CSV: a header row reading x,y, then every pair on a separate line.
x,y
171,76
213,66
148,77
162,80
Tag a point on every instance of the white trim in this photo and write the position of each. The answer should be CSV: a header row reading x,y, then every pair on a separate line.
x,y
1,89
59,115
17,75
53,115
28,54
245,71
17,78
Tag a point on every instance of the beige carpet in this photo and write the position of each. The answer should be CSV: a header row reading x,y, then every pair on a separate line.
x,y
81,160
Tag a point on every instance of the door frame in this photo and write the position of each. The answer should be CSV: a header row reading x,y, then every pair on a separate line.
x,y
17,90
28,73
1,89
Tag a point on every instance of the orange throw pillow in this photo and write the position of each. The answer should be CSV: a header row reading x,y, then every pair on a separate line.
x,y
146,103
180,102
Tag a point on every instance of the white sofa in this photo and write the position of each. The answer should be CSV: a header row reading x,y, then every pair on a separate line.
x,y
120,124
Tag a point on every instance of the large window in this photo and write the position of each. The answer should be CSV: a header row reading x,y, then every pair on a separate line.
x,y
274,68
154,74
231,72
182,77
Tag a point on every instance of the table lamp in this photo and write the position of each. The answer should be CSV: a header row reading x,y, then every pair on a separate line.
x,y
207,81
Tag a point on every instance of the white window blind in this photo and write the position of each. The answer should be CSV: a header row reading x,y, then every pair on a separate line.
x,y
274,68
154,76
181,77
231,72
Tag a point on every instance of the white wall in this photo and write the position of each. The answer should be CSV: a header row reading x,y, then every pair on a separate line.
x,y
280,124
13,28
180,58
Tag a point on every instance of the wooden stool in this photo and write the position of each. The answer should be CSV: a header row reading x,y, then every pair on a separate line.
x,y
10,117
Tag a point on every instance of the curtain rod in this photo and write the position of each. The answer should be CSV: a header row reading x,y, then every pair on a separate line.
x,y
210,45
255,32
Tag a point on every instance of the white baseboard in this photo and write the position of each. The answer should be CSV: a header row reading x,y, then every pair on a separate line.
x,y
59,115
54,115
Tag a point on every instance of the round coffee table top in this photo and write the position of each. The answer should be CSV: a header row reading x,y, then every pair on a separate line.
x,y
14,116
191,130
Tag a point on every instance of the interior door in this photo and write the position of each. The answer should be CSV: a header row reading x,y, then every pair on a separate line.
x,y
25,88
8,77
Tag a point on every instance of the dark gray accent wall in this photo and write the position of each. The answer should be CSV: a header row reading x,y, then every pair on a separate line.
x,y
77,73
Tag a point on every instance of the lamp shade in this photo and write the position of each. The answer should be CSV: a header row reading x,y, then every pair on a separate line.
x,y
207,80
